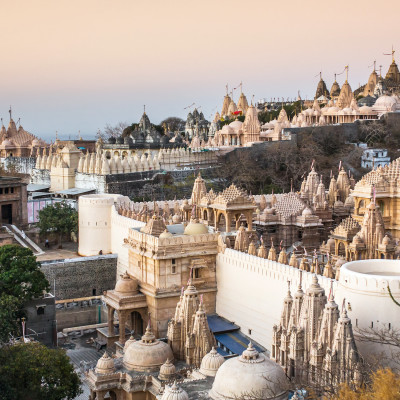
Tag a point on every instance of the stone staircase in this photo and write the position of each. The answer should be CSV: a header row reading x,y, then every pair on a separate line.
x,y
22,239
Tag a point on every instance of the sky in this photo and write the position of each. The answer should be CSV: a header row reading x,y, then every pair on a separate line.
x,y
73,66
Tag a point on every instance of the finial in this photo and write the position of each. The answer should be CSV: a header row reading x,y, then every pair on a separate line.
x,y
144,109
331,297
10,111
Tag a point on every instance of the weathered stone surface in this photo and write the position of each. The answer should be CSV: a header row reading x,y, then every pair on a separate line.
x,y
81,277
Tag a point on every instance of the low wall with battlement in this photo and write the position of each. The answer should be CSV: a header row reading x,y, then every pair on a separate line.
x,y
251,291
120,227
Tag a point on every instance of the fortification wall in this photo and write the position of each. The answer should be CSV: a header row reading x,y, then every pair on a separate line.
x,y
251,291
120,226
80,277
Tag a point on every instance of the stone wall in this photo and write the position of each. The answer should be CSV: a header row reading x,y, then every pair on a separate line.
x,y
70,316
251,292
80,277
40,176
22,165
139,185
120,226
41,319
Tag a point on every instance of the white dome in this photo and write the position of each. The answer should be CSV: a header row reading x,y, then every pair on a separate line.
x,y
105,365
147,354
249,373
306,212
211,362
174,392
236,125
386,102
227,129
365,110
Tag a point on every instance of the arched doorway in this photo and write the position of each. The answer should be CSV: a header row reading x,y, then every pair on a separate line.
x,y
221,223
110,395
137,323
341,249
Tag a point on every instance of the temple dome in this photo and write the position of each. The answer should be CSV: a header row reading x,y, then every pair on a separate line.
x,y
129,342
387,103
174,392
251,372
7,143
306,212
166,234
211,362
176,219
126,284
195,228
105,365
236,125
167,370
147,354
386,240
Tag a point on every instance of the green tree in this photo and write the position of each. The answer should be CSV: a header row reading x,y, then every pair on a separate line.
x,y
59,218
31,371
20,280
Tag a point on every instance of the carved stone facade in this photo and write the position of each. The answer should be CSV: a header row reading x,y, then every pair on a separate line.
x,y
314,341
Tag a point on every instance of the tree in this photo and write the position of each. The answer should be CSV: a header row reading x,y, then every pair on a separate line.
x,y
60,218
112,131
31,371
173,124
20,280
385,384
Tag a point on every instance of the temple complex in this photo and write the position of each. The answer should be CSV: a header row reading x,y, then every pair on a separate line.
x,y
18,142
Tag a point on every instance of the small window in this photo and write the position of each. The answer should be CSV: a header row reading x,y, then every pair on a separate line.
x,y
12,190
173,269
196,273
1,190
93,292
6,190
249,331
40,311
173,261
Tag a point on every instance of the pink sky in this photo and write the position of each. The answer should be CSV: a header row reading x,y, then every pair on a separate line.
x,y
70,65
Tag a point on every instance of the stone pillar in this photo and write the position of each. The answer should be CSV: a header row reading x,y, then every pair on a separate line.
x,y
237,221
110,320
228,222
100,395
122,321
250,220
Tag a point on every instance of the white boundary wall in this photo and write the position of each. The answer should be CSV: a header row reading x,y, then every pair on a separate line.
x,y
251,291
120,226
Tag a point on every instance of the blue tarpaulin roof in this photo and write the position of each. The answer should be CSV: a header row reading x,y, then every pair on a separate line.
x,y
235,341
220,325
